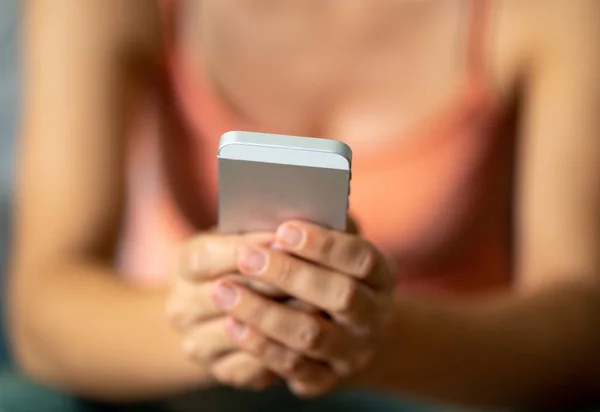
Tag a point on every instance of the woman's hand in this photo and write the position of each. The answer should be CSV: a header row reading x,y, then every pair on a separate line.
x,y
342,275
192,310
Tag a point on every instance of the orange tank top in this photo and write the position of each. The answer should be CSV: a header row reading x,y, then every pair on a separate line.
x,y
437,201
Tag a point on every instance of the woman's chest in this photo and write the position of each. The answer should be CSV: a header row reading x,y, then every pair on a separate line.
x,y
368,76
356,71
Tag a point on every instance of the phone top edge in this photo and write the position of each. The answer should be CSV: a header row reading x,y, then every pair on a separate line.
x,y
284,149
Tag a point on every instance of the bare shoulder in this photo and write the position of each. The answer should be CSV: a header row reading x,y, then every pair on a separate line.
x,y
559,19
131,26
547,27
558,162
525,34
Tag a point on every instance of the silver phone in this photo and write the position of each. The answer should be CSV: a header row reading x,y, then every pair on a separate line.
x,y
267,179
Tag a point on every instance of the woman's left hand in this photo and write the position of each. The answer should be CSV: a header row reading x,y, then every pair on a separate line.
x,y
340,274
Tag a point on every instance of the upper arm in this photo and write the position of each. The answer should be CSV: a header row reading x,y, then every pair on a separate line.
x,y
78,60
559,157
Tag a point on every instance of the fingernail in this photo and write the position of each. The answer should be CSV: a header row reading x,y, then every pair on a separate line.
x,y
252,261
290,236
225,295
236,329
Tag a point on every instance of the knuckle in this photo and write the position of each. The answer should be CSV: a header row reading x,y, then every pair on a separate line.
x,y
286,270
361,257
261,347
290,362
193,351
257,309
176,314
344,296
326,245
199,355
186,304
310,335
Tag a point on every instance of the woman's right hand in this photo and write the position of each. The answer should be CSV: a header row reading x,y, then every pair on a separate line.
x,y
191,308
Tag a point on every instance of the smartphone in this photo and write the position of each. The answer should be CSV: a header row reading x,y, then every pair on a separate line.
x,y
267,179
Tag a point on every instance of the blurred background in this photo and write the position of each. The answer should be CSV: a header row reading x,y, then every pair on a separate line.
x,y
8,111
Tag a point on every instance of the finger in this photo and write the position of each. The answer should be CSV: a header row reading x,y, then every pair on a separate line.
x,y
190,303
343,252
285,362
210,255
256,285
305,389
341,296
242,370
302,306
305,377
208,341
308,334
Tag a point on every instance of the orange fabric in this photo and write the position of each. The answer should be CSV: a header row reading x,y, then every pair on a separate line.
x,y
442,188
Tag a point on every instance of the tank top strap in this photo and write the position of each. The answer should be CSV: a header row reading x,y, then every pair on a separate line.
x,y
479,24
168,15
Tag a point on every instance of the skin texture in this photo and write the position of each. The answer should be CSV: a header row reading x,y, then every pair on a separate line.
x,y
266,328
511,349
63,250
202,324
